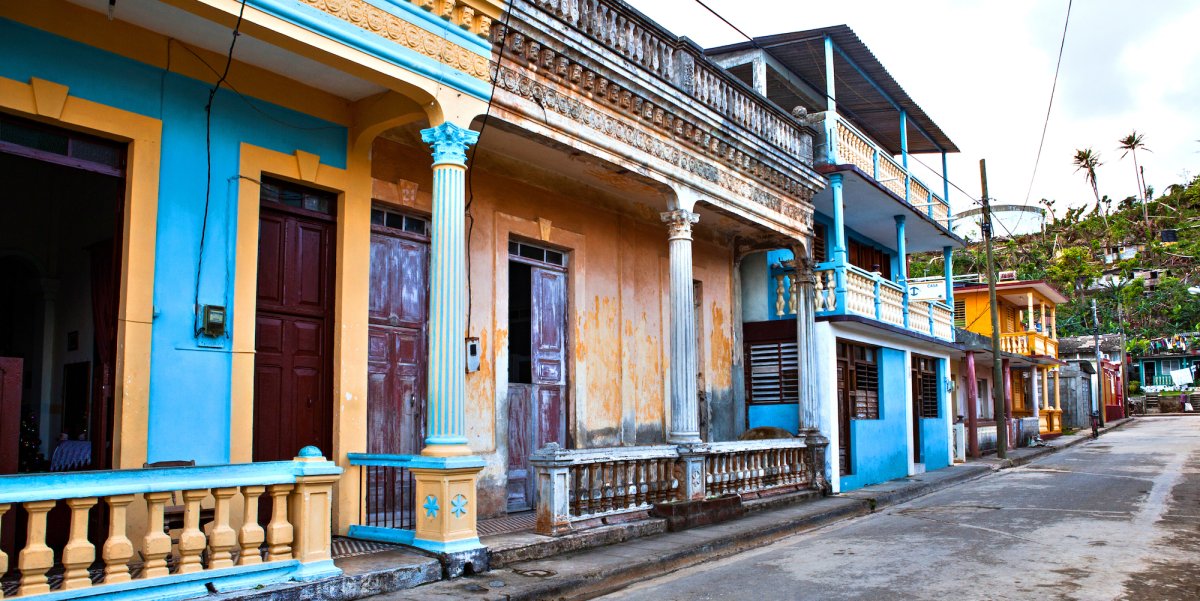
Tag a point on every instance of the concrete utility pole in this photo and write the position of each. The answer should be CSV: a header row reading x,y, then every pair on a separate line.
x,y
997,369
1099,366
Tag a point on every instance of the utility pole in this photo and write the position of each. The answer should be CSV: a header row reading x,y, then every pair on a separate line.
x,y
1099,366
997,366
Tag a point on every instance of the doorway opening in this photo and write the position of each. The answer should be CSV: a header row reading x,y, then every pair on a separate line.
x,y
538,411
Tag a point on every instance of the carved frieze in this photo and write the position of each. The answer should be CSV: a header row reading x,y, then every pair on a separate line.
x,y
383,23
653,130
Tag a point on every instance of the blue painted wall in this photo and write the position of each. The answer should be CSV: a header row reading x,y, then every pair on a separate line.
x,y
189,383
879,448
778,415
935,434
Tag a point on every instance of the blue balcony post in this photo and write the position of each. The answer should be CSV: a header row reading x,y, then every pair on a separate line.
x,y
875,157
902,252
945,182
904,156
878,298
831,106
839,241
948,271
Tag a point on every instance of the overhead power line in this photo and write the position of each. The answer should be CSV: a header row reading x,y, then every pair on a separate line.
x,y
1053,87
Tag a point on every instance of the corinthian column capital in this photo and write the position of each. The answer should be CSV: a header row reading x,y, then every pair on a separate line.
x,y
449,143
679,223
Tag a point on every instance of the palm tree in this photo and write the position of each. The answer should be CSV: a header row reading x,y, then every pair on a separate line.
x,y
1087,160
1130,145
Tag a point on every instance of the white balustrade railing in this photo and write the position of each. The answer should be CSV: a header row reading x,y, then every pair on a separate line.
x,y
943,321
860,292
854,147
920,316
584,487
891,303
294,543
753,466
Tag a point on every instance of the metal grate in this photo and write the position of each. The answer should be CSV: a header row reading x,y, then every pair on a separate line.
x,y
391,497
351,547
515,522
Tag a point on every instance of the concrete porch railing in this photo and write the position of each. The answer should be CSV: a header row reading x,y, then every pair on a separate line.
x,y
868,294
293,545
577,488
856,148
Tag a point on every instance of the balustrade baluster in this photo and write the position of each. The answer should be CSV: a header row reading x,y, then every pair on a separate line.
x,y
279,529
576,484
251,535
79,553
191,539
118,549
3,556
36,558
221,537
793,298
779,290
156,545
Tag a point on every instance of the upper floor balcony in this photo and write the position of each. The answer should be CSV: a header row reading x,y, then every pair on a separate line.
x,y
1027,313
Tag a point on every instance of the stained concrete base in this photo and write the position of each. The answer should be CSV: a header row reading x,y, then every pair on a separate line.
x,y
362,576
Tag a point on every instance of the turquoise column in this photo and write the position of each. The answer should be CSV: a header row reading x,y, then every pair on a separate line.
x,y
948,271
839,241
902,252
831,149
446,403
904,156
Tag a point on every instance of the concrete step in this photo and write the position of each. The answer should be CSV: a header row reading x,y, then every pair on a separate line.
x,y
362,576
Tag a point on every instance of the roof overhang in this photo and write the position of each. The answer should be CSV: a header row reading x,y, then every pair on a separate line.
x,y
1014,292
864,90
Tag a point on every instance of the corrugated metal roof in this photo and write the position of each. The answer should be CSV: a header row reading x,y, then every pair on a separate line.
x,y
868,106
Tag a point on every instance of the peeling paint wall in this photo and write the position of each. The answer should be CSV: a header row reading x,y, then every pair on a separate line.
x,y
617,314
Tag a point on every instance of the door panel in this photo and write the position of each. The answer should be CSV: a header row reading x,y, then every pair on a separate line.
x,y
292,385
537,412
397,344
844,411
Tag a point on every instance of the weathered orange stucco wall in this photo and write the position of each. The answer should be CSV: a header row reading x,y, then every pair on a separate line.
x,y
617,307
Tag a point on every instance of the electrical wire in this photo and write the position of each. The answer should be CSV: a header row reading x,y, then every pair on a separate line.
x,y
471,160
208,150
1054,86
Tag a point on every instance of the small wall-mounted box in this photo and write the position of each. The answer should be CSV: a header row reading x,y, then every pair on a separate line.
x,y
211,321
472,355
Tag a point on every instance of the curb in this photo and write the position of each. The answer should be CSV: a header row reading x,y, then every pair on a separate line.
x,y
1039,452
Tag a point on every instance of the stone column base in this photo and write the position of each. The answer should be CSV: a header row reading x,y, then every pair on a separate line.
x,y
446,512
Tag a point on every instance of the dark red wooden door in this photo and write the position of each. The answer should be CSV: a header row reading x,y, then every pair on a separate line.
x,y
537,409
292,385
845,407
397,346
10,419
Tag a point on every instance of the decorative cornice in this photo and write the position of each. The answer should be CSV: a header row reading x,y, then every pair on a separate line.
x,y
556,82
378,21
679,223
449,143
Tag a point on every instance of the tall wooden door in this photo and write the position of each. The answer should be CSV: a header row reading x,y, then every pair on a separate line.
x,y
537,390
292,383
10,419
397,347
845,407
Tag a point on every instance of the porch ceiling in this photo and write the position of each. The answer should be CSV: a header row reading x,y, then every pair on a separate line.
x,y
871,210
196,31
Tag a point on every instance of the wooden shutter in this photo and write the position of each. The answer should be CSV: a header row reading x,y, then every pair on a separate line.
x,y
960,313
773,373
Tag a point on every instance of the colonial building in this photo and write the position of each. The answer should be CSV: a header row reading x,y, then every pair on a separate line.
x,y
878,348
1029,354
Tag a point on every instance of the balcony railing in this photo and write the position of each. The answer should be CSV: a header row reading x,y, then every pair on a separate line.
x,y
856,148
293,544
871,295
1029,344
581,488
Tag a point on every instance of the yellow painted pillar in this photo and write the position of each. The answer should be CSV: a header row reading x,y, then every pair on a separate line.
x,y
1054,322
1057,396
1042,318
1029,315
310,511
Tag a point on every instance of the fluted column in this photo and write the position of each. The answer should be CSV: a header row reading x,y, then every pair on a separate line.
x,y
685,427
446,403
810,410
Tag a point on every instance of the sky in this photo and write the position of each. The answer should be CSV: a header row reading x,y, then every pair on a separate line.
x,y
983,69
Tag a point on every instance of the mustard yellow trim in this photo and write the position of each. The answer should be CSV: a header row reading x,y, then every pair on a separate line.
x,y
352,257
130,41
52,103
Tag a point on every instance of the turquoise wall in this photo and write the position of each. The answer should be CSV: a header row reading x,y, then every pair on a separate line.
x,y
879,448
778,415
935,433
189,381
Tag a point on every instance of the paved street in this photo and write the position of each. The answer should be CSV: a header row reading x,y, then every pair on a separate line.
x,y
1115,518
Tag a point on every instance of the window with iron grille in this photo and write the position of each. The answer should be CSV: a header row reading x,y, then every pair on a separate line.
x,y
926,385
774,377
863,380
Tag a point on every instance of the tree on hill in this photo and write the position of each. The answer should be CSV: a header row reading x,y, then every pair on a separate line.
x,y
1129,145
1087,160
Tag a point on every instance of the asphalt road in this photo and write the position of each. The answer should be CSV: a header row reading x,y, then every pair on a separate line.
x,y
1114,518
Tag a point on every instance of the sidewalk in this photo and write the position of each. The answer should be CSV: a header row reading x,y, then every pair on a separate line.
x,y
601,570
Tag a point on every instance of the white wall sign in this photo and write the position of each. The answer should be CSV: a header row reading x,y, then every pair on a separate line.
x,y
927,290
